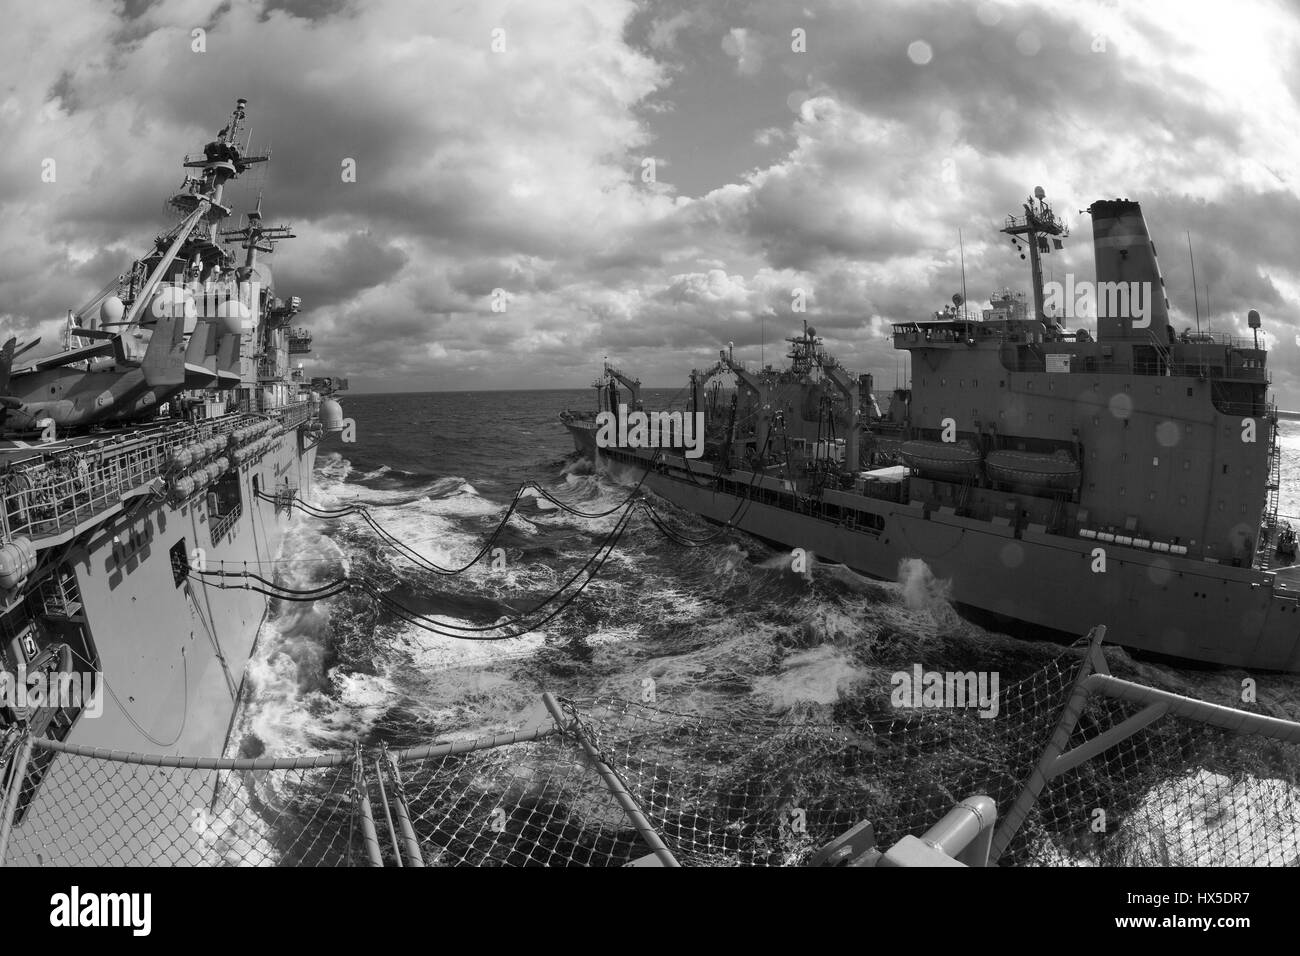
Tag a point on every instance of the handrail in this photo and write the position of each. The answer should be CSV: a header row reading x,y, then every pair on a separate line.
x,y
51,492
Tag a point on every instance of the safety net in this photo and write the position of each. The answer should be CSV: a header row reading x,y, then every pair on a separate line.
x,y
1084,769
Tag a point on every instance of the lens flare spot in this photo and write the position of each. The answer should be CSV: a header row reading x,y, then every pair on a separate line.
x,y
1028,42
1167,434
919,52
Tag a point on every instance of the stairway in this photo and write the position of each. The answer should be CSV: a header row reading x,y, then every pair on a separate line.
x,y
1268,526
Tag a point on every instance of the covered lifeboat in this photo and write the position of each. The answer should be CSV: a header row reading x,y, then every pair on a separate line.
x,y
1056,471
942,459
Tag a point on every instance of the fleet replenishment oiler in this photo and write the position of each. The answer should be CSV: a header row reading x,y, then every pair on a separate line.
x,y
1051,476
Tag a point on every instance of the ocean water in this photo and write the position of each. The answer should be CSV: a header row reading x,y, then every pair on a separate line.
x,y
725,630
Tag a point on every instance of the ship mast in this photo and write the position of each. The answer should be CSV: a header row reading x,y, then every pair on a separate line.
x,y
1040,229
256,237
803,351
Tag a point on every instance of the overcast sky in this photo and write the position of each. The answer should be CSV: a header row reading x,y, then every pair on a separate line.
x,y
844,169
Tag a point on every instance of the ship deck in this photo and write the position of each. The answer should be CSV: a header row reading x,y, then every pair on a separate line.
x,y
1287,577
52,491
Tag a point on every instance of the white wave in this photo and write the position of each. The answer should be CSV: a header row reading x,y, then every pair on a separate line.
x,y
921,590
1207,819
820,675
369,695
429,653
287,707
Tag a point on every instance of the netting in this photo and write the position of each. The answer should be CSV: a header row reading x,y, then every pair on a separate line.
x,y
1177,793
606,781
89,811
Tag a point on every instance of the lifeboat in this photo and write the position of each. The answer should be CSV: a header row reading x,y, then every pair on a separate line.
x,y
182,487
1055,471
17,560
943,459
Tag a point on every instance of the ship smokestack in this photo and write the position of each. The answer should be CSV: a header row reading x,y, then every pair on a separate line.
x,y
1130,292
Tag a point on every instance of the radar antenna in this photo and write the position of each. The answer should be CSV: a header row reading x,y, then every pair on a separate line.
x,y
1041,230
255,236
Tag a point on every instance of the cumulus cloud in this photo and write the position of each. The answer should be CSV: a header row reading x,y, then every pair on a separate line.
x,y
746,47
845,170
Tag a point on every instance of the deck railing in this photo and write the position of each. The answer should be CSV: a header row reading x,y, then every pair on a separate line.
x,y
50,493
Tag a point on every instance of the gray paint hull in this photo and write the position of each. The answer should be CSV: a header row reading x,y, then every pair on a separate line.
x,y
170,653
173,657
1154,602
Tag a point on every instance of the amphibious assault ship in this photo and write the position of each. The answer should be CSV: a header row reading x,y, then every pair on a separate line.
x,y
1050,476
166,437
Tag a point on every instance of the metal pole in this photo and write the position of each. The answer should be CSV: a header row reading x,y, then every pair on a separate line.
x,y
368,835
16,778
1104,741
413,854
616,788
1060,737
965,831
383,796
1217,715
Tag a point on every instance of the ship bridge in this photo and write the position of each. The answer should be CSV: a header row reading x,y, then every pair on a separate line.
x,y
1236,366
1137,431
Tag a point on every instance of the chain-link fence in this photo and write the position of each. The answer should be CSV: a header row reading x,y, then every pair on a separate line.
x,y
1084,769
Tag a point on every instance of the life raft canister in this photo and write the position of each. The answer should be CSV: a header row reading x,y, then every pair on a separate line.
x,y
17,560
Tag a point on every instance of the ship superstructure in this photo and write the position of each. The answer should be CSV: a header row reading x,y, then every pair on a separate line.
x,y
1046,473
167,436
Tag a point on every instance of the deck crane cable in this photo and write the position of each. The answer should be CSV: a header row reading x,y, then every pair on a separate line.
x,y
630,505
344,583
444,628
655,517
436,568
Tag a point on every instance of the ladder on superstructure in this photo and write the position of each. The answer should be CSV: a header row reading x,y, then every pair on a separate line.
x,y
1162,352
1268,531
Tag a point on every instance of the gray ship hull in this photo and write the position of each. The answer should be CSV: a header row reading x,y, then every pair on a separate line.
x,y
1154,602
174,655
171,653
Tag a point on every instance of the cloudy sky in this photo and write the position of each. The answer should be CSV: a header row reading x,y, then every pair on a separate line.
x,y
650,180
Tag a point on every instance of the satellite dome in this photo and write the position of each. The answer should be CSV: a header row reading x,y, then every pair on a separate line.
x,y
110,310
331,415
231,315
